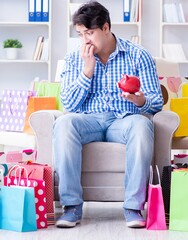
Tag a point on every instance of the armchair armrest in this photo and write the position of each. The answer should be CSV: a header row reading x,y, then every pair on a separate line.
x,y
42,124
165,124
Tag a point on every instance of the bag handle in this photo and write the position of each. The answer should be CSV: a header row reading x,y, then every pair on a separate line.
x,y
16,168
151,175
4,168
13,105
40,86
21,169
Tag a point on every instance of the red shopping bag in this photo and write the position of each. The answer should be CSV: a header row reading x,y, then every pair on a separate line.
x,y
39,191
43,172
155,219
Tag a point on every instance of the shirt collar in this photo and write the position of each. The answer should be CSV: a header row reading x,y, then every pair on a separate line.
x,y
120,46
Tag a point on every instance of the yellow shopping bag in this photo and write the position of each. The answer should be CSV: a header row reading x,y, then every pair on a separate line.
x,y
185,90
180,106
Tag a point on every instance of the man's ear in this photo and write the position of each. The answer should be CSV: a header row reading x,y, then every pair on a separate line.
x,y
106,27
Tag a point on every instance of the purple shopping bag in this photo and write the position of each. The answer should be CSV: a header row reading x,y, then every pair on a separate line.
x,y
13,109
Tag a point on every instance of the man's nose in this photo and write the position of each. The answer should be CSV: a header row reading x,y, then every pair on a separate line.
x,y
85,39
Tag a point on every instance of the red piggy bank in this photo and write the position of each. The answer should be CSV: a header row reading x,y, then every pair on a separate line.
x,y
129,83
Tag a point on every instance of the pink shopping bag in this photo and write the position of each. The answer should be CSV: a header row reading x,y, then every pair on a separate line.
x,y
155,219
39,191
18,156
43,172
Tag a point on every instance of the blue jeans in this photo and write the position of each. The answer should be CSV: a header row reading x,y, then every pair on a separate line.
x,y
73,130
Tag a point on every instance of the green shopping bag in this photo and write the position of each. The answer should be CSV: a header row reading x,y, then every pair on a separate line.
x,y
178,201
49,89
40,87
17,209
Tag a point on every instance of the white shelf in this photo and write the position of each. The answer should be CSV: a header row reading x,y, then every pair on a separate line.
x,y
23,24
14,24
174,24
22,61
174,31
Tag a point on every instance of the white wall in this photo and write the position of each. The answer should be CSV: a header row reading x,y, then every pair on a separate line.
x,y
59,32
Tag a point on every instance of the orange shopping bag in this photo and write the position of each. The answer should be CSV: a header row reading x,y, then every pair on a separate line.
x,y
35,104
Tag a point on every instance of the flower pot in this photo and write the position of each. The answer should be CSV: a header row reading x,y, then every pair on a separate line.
x,y
12,53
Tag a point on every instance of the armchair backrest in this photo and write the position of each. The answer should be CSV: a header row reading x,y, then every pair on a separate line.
x,y
60,65
167,68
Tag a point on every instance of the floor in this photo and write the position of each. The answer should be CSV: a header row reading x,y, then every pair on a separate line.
x,y
101,221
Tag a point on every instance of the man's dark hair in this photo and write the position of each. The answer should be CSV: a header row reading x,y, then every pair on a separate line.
x,y
92,15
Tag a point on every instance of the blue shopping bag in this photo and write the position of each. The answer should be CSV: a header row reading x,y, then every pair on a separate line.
x,y
17,209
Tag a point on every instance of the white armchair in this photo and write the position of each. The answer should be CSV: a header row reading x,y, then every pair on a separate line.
x,y
104,163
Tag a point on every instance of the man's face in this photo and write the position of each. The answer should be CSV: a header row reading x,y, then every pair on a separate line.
x,y
95,37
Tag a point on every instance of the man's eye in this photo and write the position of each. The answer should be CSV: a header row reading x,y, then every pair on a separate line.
x,y
90,33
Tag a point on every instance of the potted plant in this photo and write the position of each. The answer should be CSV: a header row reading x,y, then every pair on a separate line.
x,y
12,46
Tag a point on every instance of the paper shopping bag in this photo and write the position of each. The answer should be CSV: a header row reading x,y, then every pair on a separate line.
x,y
155,219
185,90
13,109
180,106
43,172
178,201
40,196
171,88
166,185
18,156
1,177
50,89
17,209
35,104
180,158
54,89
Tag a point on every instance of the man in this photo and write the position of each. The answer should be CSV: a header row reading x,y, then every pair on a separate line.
x,y
100,111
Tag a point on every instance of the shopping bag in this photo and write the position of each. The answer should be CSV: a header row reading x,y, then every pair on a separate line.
x,y
13,109
51,89
166,185
40,195
43,172
185,90
37,103
155,219
1,177
4,168
18,156
180,106
17,208
178,201
171,88
180,158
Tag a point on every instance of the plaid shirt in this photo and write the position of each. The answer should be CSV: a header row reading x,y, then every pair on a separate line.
x,y
100,93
